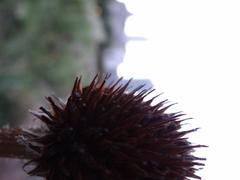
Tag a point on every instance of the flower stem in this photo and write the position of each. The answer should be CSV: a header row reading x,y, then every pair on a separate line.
x,y
12,146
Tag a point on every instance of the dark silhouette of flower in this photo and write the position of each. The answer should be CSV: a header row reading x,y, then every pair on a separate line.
x,y
104,132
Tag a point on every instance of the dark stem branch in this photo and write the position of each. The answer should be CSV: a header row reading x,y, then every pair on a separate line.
x,y
11,145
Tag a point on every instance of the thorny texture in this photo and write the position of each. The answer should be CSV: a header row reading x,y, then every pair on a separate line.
x,y
105,133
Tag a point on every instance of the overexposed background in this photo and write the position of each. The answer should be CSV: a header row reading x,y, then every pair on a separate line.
x,y
189,49
191,52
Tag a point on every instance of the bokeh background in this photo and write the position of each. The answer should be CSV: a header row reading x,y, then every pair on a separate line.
x,y
44,45
190,50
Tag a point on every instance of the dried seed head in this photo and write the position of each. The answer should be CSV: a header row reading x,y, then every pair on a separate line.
x,y
106,133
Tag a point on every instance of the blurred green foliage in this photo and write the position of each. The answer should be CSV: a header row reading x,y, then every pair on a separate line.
x,y
44,44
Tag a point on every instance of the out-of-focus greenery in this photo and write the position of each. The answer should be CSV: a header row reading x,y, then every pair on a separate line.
x,y
44,44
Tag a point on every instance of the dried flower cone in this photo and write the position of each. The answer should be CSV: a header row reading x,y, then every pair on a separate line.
x,y
106,133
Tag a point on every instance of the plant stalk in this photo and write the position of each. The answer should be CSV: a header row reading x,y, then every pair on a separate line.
x,y
12,146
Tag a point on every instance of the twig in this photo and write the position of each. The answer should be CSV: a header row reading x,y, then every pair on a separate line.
x,y
11,145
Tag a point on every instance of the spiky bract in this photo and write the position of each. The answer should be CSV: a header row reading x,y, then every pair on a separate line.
x,y
104,132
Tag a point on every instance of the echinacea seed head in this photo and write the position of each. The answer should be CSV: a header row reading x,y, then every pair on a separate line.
x,y
104,132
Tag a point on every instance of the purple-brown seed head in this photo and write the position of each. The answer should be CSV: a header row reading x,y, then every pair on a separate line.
x,y
104,132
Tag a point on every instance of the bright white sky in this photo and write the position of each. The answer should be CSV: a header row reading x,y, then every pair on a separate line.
x,y
192,54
